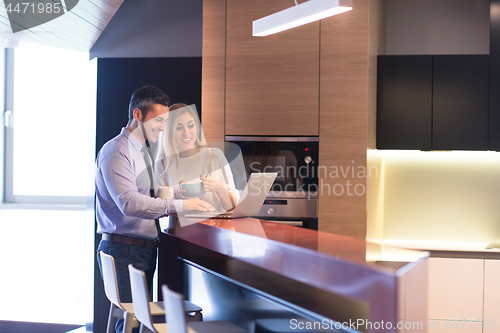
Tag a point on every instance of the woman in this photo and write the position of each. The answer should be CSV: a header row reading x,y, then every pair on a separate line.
x,y
182,156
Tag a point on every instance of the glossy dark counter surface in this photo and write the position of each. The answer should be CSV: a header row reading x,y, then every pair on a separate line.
x,y
340,265
292,240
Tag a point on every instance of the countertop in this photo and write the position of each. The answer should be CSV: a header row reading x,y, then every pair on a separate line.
x,y
345,267
334,247
447,249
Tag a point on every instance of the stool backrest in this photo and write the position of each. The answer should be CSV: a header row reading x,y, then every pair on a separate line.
x,y
109,278
174,311
140,297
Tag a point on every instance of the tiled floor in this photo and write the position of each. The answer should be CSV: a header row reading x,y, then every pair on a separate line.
x,y
25,327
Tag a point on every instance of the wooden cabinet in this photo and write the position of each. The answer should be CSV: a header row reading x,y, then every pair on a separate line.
x,y
494,102
404,102
463,295
433,102
455,288
494,80
272,83
278,86
491,315
460,102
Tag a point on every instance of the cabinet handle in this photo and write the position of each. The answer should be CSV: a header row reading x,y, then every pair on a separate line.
x,y
6,118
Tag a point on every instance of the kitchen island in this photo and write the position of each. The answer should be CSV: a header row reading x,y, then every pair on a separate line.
x,y
463,290
247,269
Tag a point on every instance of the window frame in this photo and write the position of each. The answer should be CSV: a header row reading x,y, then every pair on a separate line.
x,y
78,202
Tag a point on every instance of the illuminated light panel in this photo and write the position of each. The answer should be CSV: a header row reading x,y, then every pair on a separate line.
x,y
437,196
452,157
307,12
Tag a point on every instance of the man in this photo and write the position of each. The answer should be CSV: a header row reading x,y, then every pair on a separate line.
x,y
125,209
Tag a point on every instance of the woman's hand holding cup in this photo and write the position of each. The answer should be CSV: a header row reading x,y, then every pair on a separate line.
x,y
210,184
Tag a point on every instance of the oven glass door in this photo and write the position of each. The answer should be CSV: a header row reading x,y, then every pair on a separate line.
x,y
293,158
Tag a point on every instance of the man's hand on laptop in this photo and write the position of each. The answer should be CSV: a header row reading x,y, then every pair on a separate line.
x,y
197,204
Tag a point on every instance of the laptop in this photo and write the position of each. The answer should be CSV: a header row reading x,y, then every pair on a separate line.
x,y
251,201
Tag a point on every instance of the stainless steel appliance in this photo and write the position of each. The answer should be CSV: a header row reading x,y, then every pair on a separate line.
x,y
293,198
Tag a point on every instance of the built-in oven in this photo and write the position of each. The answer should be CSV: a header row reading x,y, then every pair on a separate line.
x,y
293,198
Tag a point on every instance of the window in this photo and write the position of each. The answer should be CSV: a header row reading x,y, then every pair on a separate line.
x,y
46,215
48,98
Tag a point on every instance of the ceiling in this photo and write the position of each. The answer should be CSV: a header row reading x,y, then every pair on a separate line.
x,y
78,29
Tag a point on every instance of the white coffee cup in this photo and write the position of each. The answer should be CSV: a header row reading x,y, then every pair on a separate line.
x,y
165,192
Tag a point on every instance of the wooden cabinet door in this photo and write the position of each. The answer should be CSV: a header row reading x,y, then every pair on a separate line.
x,y
494,100
272,83
433,102
404,102
494,79
460,102
455,289
491,316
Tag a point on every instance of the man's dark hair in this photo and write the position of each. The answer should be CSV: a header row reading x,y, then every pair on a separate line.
x,y
144,98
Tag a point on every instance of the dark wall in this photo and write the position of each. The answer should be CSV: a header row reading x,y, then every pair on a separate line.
x,y
437,27
117,79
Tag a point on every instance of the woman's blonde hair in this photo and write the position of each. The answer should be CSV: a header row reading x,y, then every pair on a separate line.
x,y
168,150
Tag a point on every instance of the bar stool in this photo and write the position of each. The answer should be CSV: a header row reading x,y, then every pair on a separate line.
x,y
119,309
174,308
174,311
126,310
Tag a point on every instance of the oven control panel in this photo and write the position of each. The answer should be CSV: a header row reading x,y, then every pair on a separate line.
x,y
275,202
289,208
